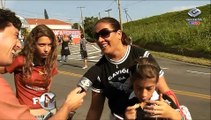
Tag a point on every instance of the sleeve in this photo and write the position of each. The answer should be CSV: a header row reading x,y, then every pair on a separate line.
x,y
10,106
93,74
18,62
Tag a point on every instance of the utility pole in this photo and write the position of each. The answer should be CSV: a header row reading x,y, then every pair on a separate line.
x,y
108,11
99,16
2,4
127,15
69,20
82,20
120,14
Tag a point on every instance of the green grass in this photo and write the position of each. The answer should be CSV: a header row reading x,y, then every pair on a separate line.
x,y
193,60
171,32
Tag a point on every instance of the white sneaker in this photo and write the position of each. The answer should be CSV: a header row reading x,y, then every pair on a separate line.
x,y
84,67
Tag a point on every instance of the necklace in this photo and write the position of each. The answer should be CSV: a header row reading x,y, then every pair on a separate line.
x,y
41,72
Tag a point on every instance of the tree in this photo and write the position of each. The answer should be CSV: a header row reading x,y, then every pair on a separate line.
x,y
46,14
76,26
89,26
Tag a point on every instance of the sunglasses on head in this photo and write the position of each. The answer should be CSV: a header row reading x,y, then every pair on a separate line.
x,y
104,33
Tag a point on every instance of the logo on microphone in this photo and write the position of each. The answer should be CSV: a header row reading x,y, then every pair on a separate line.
x,y
47,101
85,83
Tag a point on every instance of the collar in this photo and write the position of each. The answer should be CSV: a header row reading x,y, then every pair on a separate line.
x,y
155,95
122,59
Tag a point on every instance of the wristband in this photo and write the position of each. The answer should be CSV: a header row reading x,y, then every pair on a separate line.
x,y
70,115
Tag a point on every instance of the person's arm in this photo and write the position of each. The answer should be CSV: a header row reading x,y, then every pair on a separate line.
x,y
163,88
160,109
162,85
10,106
17,64
96,107
73,101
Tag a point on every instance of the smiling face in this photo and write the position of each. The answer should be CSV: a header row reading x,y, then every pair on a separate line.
x,y
43,47
108,43
8,44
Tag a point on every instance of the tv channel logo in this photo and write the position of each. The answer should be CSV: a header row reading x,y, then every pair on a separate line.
x,y
48,101
194,22
194,12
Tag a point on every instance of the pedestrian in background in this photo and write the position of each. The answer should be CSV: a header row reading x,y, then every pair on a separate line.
x,y
83,51
65,50
70,37
59,39
11,109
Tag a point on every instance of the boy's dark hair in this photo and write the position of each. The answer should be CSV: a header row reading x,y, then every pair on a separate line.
x,y
7,18
145,68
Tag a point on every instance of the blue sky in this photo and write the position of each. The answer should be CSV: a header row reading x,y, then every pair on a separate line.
x,y
68,10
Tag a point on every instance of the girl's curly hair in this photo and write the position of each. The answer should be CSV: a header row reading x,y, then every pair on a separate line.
x,y
29,50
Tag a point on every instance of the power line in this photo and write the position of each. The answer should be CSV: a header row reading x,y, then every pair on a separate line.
x,y
108,11
127,15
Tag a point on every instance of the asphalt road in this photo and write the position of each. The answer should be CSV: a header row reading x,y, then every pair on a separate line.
x,y
191,84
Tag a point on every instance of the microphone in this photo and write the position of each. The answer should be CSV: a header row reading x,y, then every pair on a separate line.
x,y
85,84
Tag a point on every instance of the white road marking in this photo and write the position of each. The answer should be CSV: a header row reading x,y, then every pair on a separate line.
x,y
164,68
96,47
197,72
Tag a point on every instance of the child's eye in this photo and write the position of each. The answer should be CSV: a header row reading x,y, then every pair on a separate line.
x,y
150,88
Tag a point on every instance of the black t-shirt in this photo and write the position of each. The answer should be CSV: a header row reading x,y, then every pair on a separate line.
x,y
111,78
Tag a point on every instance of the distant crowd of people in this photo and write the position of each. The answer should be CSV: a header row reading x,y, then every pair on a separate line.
x,y
127,75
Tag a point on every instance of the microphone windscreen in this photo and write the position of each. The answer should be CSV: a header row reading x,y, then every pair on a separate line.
x,y
85,83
